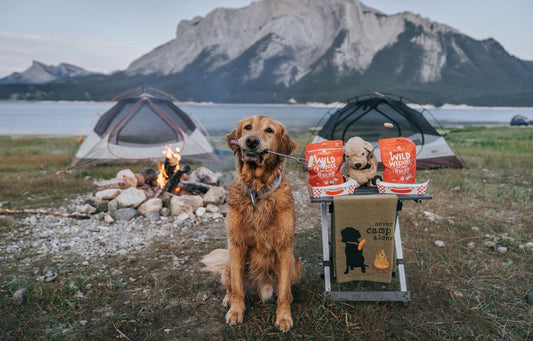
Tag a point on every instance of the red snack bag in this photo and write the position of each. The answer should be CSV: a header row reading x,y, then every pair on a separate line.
x,y
398,156
324,160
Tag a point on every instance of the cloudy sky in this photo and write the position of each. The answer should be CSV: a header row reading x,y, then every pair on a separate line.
x,y
107,35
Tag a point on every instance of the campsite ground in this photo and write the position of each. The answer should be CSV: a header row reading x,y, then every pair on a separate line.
x,y
472,288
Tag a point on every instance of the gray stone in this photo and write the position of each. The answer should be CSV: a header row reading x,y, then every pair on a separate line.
x,y
128,177
154,204
215,195
108,194
19,296
131,197
125,214
203,175
106,184
185,204
153,215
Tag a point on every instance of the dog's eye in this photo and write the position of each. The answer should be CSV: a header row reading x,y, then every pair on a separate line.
x,y
269,130
363,153
248,127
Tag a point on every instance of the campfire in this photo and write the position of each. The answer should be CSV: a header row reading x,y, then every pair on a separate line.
x,y
170,173
173,189
381,262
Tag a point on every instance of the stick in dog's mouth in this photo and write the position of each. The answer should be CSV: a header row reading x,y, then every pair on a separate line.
x,y
299,160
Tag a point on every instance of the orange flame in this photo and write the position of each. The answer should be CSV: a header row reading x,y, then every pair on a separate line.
x,y
172,158
381,261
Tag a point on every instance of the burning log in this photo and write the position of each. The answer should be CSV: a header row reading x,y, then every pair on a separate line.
x,y
173,181
170,172
194,187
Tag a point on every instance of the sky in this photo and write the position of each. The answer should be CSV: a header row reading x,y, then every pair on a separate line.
x,y
107,35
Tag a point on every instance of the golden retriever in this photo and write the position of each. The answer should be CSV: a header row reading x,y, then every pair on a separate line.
x,y
260,222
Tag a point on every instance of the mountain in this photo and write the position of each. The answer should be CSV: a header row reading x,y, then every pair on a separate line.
x,y
308,50
39,73
328,50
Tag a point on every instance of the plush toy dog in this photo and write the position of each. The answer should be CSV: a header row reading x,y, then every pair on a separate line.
x,y
360,162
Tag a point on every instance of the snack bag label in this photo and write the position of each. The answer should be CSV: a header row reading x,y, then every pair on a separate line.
x,y
324,160
398,156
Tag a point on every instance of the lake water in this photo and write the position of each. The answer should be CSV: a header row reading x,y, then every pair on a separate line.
x,y
78,118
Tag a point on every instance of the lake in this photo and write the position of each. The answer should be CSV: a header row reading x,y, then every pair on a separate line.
x,y
78,118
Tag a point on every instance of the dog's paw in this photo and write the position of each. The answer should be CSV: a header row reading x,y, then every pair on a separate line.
x,y
226,301
234,316
284,322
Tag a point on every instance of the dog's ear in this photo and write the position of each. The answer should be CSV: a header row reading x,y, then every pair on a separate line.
x,y
286,144
232,140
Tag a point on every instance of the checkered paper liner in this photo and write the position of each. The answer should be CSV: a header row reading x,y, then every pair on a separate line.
x,y
327,191
393,188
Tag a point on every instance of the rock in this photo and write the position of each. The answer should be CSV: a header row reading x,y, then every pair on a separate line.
x,y
529,298
528,246
87,209
200,211
212,208
19,296
179,207
7,220
226,178
131,197
203,175
154,204
150,193
125,214
109,219
471,245
107,194
489,243
128,177
149,175
107,184
215,195
153,215
165,211
140,179
185,204
440,243
501,249
50,276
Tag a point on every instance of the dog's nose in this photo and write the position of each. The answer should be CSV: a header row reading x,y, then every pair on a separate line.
x,y
357,165
252,142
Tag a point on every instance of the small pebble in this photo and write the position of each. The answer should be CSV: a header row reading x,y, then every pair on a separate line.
x,y
19,296
440,243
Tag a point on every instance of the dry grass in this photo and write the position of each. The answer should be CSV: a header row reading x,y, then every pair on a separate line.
x,y
458,292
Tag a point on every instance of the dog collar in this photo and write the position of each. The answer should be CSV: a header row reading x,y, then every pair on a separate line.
x,y
254,195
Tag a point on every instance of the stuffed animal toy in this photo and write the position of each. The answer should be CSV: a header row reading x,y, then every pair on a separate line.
x,y
360,162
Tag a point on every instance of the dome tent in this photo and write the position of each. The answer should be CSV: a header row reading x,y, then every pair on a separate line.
x,y
139,126
364,116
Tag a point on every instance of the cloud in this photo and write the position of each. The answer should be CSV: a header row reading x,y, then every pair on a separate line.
x,y
17,51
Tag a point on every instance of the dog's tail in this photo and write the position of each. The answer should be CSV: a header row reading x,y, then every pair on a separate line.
x,y
216,261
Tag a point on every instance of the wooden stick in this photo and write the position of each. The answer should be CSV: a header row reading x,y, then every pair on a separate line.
x,y
34,211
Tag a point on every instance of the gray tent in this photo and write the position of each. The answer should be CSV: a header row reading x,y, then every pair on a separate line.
x,y
364,116
139,126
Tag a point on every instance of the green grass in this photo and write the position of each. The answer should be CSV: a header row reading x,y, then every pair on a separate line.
x,y
458,292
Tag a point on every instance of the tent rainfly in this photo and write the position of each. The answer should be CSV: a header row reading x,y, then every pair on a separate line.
x,y
364,116
139,126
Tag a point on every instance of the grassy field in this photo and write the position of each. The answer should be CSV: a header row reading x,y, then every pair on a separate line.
x,y
464,290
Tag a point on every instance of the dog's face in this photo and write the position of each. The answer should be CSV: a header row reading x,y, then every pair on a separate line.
x,y
255,135
357,153
349,234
